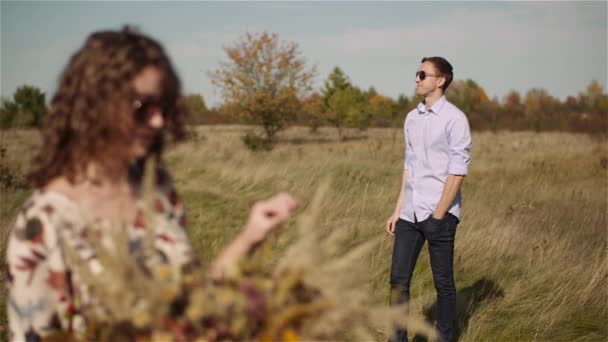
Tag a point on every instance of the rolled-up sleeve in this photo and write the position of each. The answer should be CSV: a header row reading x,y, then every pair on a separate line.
x,y
460,144
408,148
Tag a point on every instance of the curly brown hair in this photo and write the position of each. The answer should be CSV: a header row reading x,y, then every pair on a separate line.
x,y
86,121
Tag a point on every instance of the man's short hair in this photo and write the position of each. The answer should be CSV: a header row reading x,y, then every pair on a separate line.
x,y
443,67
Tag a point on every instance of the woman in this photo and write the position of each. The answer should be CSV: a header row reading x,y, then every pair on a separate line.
x,y
116,103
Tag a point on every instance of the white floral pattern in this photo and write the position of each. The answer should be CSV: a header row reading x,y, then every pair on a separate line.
x,y
44,296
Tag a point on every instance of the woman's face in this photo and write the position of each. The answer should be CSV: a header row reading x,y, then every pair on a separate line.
x,y
147,110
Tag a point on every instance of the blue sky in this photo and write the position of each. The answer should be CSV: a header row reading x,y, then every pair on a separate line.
x,y
559,46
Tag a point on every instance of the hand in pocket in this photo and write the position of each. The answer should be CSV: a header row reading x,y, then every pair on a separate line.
x,y
433,226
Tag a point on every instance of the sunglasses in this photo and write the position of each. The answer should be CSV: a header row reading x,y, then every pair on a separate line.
x,y
145,107
422,75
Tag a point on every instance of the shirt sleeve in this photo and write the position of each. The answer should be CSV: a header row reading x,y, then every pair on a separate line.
x,y
39,301
460,144
408,148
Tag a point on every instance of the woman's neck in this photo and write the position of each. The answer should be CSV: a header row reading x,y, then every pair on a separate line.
x,y
99,193
96,174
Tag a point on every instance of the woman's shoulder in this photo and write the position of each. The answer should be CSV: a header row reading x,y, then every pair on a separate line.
x,y
46,202
40,215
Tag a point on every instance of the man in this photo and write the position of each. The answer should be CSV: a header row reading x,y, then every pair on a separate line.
x,y
437,147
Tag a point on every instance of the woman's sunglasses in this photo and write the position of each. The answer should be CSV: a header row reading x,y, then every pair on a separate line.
x,y
422,75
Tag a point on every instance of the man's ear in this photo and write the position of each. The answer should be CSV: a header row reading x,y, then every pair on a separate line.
x,y
440,82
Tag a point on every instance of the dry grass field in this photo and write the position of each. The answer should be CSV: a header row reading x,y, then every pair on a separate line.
x,y
531,249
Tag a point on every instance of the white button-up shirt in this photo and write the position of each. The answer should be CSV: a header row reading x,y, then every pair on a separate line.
x,y
437,143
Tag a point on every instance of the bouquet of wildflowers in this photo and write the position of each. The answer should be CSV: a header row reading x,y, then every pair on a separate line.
x,y
313,293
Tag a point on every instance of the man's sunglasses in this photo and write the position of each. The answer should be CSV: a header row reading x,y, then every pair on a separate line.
x,y
145,107
422,75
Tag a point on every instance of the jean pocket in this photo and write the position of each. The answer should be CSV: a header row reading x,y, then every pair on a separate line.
x,y
434,226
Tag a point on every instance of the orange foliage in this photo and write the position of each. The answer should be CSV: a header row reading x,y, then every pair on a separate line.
x,y
264,80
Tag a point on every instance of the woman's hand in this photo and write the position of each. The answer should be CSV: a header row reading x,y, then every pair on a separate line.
x,y
267,215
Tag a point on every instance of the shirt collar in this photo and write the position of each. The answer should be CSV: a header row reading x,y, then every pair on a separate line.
x,y
435,108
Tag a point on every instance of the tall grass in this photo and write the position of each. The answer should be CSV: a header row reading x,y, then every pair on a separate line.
x,y
530,250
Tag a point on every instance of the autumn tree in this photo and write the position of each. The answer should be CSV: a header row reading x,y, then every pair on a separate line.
x,y
540,109
572,104
382,109
336,81
26,109
592,105
8,111
311,113
402,106
196,108
512,103
345,107
362,116
469,97
377,108
466,95
594,99
264,81
492,112
370,93
342,103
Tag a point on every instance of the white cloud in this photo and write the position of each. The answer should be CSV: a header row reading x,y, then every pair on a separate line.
x,y
556,47
516,31
501,47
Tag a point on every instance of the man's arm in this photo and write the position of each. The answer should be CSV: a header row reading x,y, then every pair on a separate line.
x,y
460,155
390,223
401,193
450,190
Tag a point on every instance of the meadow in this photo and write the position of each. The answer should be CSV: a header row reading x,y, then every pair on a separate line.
x,y
530,264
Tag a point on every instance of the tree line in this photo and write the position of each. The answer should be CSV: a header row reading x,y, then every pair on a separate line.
x,y
266,82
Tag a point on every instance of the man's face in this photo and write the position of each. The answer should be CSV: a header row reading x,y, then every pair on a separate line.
x,y
431,82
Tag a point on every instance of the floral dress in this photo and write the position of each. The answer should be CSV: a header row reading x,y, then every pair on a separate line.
x,y
44,294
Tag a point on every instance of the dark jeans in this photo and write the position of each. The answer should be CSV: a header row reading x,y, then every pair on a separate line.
x,y
409,238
